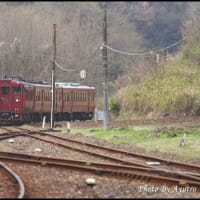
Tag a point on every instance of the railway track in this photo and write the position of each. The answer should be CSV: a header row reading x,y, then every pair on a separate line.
x,y
137,159
16,182
110,170
168,172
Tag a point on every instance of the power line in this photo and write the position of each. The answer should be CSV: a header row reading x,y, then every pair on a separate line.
x,y
68,70
145,53
174,44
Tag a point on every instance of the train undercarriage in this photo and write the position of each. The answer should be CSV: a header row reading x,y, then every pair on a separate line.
x,y
22,118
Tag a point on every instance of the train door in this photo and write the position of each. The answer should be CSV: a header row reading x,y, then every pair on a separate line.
x,y
42,99
5,100
72,101
88,109
17,100
60,101
56,101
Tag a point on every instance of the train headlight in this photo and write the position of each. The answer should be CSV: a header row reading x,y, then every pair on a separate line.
x,y
17,115
17,100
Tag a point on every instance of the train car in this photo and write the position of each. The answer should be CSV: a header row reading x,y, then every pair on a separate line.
x,y
11,100
78,102
37,101
22,101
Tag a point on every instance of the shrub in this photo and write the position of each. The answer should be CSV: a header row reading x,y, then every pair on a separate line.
x,y
114,107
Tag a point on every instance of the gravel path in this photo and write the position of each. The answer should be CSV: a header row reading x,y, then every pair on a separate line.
x,y
42,182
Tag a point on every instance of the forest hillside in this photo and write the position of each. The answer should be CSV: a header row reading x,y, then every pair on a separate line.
x,y
26,48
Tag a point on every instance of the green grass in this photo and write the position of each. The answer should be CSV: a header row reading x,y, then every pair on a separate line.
x,y
161,139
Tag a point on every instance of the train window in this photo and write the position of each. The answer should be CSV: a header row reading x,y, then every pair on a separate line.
x,y
56,98
84,96
67,96
29,95
39,96
92,96
81,97
71,96
17,89
5,90
60,97
26,94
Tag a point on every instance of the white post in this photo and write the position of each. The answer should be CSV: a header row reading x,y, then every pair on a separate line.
x,y
96,115
44,122
68,127
183,140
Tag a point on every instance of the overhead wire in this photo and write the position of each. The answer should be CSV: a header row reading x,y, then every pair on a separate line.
x,y
145,53
68,70
127,53
149,53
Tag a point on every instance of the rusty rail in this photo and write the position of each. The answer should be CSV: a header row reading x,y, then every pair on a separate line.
x,y
101,169
17,180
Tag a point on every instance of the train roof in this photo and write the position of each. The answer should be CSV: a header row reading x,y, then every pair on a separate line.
x,y
67,84
73,85
44,83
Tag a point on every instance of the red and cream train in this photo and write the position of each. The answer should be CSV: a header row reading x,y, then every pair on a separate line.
x,y
25,101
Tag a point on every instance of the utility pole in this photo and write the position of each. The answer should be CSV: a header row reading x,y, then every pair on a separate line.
x,y
105,67
53,77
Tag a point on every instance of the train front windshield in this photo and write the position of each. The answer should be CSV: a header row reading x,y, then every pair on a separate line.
x,y
5,90
17,89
